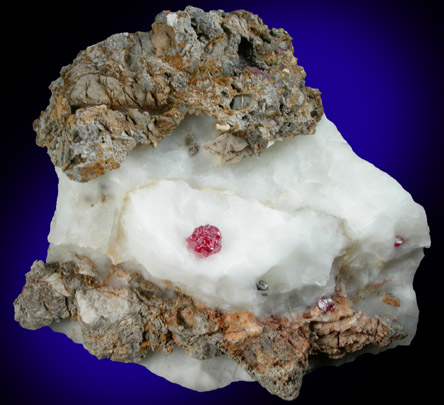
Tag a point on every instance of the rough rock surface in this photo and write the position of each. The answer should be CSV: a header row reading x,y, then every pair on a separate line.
x,y
134,89
124,316
319,247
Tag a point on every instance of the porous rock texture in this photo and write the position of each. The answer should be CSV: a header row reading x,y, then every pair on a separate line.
x,y
123,323
134,89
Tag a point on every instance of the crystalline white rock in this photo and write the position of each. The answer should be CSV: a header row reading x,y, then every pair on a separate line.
x,y
305,210
199,375
288,218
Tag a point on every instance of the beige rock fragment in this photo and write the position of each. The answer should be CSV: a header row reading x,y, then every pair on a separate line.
x,y
124,322
134,89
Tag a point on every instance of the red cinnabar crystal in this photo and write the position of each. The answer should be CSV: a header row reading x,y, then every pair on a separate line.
x,y
326,305
205,240
399,241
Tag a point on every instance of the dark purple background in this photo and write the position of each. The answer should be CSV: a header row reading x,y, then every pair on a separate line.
x,y
379,69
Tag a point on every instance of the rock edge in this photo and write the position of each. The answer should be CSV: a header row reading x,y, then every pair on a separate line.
x,y
135,89
124,316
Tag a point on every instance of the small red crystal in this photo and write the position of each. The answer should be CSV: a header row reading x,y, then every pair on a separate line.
x,y
205,240
399,241
326,305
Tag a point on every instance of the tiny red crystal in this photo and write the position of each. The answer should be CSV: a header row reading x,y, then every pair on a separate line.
x,y
205,240
398,241
326,305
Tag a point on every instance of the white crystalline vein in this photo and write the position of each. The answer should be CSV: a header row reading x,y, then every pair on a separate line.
x,y
305,209
288,217
256,238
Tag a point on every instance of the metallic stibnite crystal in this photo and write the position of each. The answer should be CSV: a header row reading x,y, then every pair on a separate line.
x,y
261,285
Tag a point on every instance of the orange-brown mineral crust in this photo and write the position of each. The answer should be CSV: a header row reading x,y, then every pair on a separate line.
x,y
134,89
124,316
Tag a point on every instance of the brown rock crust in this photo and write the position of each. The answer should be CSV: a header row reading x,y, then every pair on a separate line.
x,y
134,89
125,316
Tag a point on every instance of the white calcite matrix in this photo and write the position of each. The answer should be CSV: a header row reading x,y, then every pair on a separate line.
x,y
333,242
305,209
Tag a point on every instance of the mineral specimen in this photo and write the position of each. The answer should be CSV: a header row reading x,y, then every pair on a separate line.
x,y
205,240
154,135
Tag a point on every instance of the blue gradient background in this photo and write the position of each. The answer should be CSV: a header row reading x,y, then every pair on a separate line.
x,y
379,68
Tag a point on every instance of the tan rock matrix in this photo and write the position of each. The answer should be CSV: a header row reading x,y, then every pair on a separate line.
x,y
134,89
123,323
